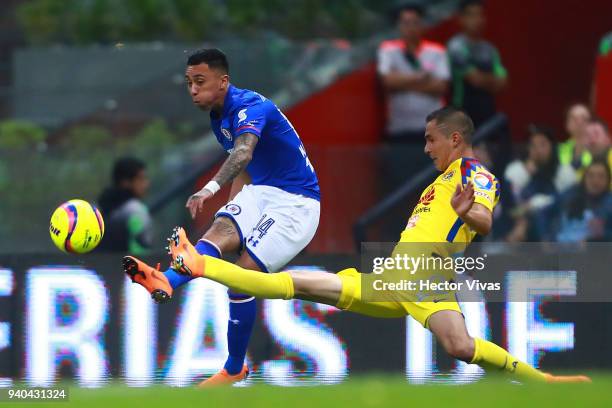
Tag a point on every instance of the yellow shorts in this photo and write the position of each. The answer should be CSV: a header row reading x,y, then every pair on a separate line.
x,y
350,299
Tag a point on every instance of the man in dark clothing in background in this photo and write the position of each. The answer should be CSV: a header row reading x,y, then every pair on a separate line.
x,y
127,218
477,71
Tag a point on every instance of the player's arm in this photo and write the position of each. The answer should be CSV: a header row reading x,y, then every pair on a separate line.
x,y
238,160
236,163
475,215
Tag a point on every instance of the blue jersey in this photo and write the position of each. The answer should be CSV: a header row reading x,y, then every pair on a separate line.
x,y
279,159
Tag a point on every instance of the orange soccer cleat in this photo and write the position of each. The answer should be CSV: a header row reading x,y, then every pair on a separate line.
x,y
224,378
567,378
154,281
185,258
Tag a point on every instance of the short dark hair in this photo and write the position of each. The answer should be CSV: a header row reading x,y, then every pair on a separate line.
x,y
599,161
213,57
464,4
544,130
415,8
127,168
454,120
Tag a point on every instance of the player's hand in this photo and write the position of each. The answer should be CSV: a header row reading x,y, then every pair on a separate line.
x,y
462,199
196,202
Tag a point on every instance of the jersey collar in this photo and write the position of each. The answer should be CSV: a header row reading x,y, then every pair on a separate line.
x,y
457,162
227,103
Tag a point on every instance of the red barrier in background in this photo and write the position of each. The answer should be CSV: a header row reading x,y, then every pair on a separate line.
x,y
603,88
348,112
339,126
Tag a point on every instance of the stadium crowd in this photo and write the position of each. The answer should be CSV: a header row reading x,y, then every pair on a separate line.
x,y
551,191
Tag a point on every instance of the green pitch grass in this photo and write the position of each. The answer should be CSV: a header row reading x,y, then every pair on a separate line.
x,y
382,391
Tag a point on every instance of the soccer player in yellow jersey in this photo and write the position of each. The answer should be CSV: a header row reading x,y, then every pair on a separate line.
x,y
453,209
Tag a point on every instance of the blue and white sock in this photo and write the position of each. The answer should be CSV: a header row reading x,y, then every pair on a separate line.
x,y
204,247
243,312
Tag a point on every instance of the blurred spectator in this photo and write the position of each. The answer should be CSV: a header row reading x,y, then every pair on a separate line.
x,y
584,213
605,46
536,182
574,151
415,74
477,71
127,219
598,140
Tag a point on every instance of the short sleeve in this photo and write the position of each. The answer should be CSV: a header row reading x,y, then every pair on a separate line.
x,y
384,61
486,188
605,46
442,70
498,69
251,119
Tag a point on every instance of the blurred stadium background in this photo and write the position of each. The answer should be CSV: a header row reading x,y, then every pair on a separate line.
x,y
83,83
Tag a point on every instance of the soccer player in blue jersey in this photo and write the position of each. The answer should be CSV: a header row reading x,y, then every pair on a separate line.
x,y
273,209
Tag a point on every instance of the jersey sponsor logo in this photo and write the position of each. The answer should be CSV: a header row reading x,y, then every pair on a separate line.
x,y
233,209
483,180
428,197
448,176
242,115
412,221
483,194
422,210
226,133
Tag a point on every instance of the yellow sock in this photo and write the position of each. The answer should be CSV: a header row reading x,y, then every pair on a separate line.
x,y
492,357
254,283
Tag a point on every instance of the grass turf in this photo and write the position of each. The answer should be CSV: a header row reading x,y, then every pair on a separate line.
x,y
379,391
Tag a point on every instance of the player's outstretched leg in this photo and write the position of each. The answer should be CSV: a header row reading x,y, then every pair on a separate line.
x,y
449,328
154,281
159,284
186,260
203,247
281,286
243,313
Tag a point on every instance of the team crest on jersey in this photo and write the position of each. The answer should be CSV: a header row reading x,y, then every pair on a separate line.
x,y
233,209
483,180
242,115
226,133
428,197
412,221
448,176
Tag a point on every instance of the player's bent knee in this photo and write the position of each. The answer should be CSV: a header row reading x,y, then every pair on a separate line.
x,y
247,262
459,347
224,234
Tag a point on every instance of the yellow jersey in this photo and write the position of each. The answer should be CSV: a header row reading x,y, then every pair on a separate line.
x,y
434,219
